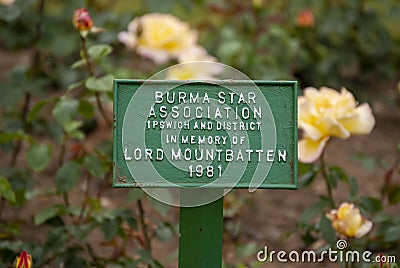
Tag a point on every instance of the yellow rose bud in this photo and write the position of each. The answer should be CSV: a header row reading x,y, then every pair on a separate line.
x,y
82,20
24,260
159,37
326,112
348,221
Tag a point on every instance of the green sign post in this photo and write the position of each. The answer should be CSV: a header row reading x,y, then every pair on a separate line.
x,y
199,139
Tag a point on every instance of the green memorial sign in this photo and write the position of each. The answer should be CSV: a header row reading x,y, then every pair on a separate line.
x,y
208,134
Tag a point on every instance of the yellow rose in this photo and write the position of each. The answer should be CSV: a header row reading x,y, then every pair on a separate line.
x,y
327,113
159,37
347,221
196,64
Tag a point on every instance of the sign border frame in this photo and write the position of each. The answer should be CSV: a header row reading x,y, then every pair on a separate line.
x,y
122,184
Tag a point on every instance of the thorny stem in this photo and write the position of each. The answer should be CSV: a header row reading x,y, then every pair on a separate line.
x,y
62,151
388,178
86,56
35,62
1,206
60,162
325,175
91,73
85,198
18,145
147,243
92,254
66,199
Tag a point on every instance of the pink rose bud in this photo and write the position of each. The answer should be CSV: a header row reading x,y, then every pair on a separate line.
x,y
82,20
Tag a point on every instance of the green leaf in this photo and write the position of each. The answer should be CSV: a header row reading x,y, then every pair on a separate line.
x,y
307,178
135,194
308,238
353,188
77,134
38,156
35,110
370,204
72,126
334,175
246,250
65,110
327,230
6,190
367,162
109,228
102,84
9,13
67,176
8,137
393,233
86,109
15,246
313,211
394,194
56,237
78,64
45,215
81,231
75,85
164,232
99,51
94,166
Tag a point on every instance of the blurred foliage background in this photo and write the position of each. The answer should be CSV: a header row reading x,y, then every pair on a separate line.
x,y
345,41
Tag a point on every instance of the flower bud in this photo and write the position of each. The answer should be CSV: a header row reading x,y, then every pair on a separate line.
x,y
305,19
348,221
82,20
24,260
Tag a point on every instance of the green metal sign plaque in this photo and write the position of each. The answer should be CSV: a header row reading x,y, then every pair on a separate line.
x,y
216,134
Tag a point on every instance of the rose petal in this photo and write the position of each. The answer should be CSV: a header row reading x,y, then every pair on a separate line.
x,y
310,131
310,92
329,93
330,126
362,121
332,215
353,221
133,26
129,40
364,229
306,110
157,55
309,150
344,209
